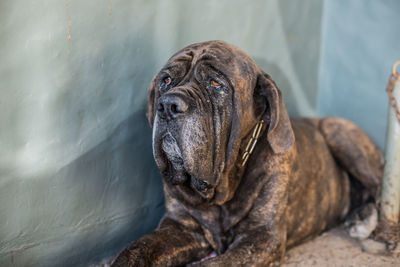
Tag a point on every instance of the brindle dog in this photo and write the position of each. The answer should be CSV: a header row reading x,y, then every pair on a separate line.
x,y
241,178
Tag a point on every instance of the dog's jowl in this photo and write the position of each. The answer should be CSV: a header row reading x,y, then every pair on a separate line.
x,y
241,179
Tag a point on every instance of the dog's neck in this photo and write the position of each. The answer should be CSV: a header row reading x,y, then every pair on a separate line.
x,y
225,190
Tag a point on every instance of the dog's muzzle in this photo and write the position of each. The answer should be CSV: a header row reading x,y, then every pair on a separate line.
x,y
179,174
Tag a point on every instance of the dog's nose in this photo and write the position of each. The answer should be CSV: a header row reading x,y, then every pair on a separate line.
x,y
172,106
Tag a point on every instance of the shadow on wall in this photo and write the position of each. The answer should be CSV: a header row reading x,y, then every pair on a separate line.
x,y
128,193
96,187
116,190
99,188
115,186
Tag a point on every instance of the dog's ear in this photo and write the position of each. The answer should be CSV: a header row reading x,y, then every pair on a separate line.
x,y
268,102
151,98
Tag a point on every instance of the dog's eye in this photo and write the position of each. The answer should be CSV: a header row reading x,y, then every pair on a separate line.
x,y
167,81
215,84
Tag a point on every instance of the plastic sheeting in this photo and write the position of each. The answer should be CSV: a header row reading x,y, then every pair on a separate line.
x,y
77,178
359,45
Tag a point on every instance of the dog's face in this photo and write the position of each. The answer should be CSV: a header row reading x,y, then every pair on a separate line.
x,y
202,104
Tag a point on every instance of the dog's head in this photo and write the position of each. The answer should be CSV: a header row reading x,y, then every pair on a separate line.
x,y
202,105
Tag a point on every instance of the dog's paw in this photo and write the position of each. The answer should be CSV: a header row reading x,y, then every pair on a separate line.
x,y
362,222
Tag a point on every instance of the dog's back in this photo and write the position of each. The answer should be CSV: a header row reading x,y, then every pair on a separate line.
x,y
335,161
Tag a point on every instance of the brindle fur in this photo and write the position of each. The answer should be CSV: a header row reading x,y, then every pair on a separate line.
x,y
297,183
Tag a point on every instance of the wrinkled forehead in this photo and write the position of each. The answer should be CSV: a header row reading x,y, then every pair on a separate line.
x,y
230,59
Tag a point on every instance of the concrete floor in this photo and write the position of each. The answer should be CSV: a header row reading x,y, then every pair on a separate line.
x,y
334,248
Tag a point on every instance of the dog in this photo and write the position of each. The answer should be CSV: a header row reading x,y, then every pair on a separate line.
x,y
240,178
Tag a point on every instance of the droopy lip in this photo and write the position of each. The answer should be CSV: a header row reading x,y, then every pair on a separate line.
x,y
170,147
188,182
190,193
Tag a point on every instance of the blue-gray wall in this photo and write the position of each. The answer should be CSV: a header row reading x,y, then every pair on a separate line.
x,y
361,42
77,179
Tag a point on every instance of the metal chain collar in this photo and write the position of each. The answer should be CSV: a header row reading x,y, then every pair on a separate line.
x,y
390,87
252,142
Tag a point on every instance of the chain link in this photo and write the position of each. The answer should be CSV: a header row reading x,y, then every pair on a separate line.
x,y
252,142
389,89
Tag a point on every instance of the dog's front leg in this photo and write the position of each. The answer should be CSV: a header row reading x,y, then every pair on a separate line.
x,y
170,245
260,239
259,247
